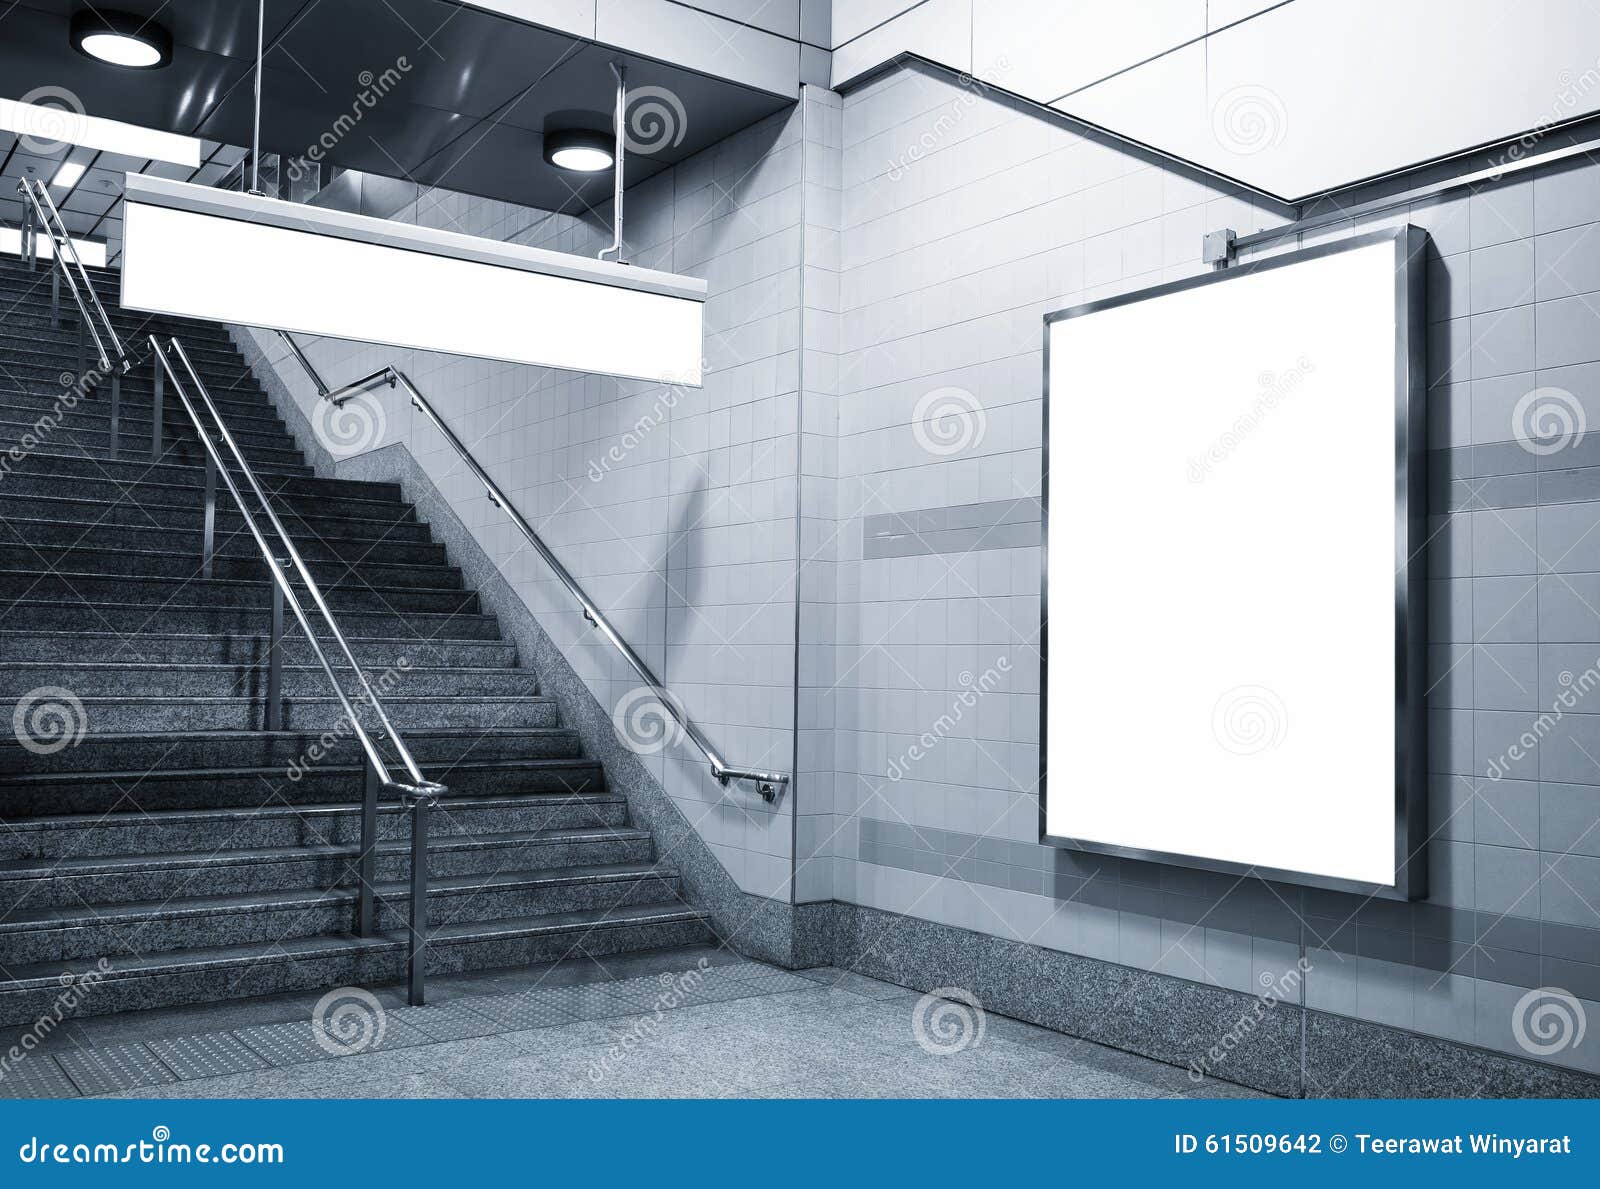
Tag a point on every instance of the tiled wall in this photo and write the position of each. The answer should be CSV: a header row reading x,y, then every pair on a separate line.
x,y
879,267
964,220
675,509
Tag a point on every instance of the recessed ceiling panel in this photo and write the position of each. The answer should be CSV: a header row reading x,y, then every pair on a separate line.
x,y
1320,94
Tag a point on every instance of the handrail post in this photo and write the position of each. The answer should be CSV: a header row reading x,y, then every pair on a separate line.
x,y
55,299
208,541
116,411
83,359
367,861
417,934
29,245
275,660
155,408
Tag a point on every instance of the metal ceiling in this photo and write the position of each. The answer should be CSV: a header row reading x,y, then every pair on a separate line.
x,y
463,109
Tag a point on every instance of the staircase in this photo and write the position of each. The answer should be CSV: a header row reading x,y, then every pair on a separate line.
x,y
179,852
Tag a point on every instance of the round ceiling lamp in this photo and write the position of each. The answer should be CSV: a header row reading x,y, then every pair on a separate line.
x,y
121,39
579,150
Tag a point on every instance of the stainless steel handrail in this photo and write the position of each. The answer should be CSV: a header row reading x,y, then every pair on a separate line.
x,y
420,794
768,784
61,243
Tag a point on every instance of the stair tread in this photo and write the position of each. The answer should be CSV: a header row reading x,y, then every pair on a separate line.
x,y
234,582
533,763
47,974
172,907
19,869
63,821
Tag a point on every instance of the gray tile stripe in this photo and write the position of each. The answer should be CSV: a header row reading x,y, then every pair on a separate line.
x,y
959,528
1515,950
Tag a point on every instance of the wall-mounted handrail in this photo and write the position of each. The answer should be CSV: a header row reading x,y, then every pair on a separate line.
x,y
49,219
768,784
418,794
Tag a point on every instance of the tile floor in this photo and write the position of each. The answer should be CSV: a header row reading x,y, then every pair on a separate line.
x,y
694,1023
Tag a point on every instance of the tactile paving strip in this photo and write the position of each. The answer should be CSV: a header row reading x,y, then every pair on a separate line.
x,y
298,1042
207,1056
528,1009
448,1021
36,1076
114,1067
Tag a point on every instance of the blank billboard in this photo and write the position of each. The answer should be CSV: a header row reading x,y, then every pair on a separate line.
x,y
1232,622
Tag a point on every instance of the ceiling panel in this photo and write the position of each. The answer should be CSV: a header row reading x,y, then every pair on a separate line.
x,y
467,109
1319,94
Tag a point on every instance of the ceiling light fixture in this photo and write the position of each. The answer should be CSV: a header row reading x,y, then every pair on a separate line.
x,y
578,150
121,39
67,176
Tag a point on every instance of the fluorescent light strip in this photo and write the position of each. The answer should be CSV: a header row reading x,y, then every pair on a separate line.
x,y
201,253
58,125
91,252
67,176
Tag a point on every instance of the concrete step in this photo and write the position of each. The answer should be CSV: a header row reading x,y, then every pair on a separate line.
x,y
173,563
92,428
186,614
142,927
143,713
170,680
207,355
198,975
42,794
275,824
56,398
87,589
433,748
225,869
88,512
161,481
149,648
231,541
